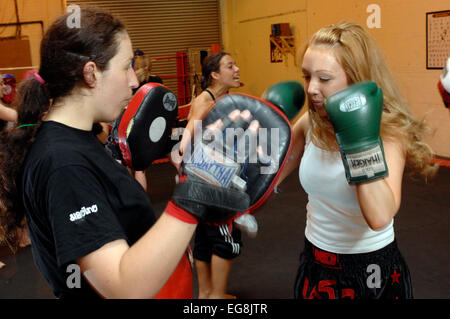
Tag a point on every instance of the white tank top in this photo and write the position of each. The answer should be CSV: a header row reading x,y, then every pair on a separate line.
x,y
334,219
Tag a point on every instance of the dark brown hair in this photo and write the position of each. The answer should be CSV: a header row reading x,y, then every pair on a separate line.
x,y
211,64
64,52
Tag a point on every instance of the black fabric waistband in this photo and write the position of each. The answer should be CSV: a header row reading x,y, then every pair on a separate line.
x,y
384,256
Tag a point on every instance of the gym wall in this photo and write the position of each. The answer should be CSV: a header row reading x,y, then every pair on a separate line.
x,y
36,11
401,37
244,27
162,28
159,28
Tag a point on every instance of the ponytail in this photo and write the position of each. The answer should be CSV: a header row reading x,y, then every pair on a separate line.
x,y
15,142
33,101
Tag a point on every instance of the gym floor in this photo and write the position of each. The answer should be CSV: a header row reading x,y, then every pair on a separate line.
x,y
267,267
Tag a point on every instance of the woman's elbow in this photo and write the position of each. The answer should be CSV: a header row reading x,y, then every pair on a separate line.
x,y
379,223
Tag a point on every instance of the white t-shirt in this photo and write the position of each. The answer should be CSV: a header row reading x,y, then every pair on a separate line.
x,y
334,219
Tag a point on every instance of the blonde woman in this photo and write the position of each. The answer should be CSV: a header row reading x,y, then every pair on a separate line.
x,y
350,247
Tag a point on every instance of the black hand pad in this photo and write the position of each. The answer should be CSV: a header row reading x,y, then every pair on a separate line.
x,y
274,137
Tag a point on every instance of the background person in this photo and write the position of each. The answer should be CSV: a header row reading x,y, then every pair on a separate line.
x,y
215,246
444,84
7,114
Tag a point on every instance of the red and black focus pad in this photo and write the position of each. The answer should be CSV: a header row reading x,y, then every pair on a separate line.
x,y
145,127
274,136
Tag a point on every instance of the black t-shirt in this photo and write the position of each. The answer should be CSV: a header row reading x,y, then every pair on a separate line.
x,y
77,198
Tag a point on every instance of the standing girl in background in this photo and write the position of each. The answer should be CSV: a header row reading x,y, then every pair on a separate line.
x,y
215,246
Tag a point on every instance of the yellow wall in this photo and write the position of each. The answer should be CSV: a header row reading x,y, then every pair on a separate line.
x,y
35,10
401,37
246,30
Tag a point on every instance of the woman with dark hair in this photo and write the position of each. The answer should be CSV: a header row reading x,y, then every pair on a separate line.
x,y
219,74
84,210
215,246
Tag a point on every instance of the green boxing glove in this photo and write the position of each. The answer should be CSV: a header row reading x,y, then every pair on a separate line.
x,y
288,96
356,116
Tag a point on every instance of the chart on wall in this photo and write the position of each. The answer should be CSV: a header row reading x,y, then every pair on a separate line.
x,y
438,39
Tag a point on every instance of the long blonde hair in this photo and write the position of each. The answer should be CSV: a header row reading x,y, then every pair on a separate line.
x,y
359,56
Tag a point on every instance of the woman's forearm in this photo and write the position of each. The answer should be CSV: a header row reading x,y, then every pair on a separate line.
x,y
377,203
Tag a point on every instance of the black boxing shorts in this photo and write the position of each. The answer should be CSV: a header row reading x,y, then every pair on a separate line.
x,y
382,274
223,241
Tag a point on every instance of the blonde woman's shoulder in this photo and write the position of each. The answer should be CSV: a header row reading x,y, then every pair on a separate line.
x,y
301,126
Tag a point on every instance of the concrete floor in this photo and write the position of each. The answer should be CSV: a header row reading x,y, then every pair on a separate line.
x,y
267,266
